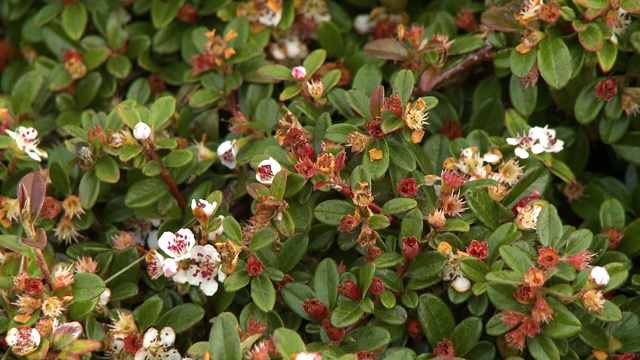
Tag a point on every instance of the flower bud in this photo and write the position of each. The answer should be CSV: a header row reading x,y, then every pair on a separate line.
x,y
316,309
333,332
169,267
350,290
407,187
141,131
414,329
376,287
410,248
599,276
299,73
254,266
461,284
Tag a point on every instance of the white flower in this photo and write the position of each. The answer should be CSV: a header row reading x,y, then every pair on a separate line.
x,y
227,152
461,284
295,49
170,267
154,348
307,356
266,170
154,264
177,245
27,141
23,340
205,265
141,131
299,72
538,140
104,297
206,207
269,17
599,275
363,24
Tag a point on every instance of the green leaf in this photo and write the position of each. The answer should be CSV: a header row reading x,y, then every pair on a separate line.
x,y
369,338
359,102
377,168
326,281
124,291
482,207
395,315
88,89
403,85
365,277
474,268
630,243
89,189
163,13
128,113
398,205
119,66
74,19
288,342
436,318
224,341
278,72
541,347
314,61
87,286
564,324
466,335
25,92
263,293
521,64
182,317
331,211
501,296
554,62
388,49
587,106
178,158
262,238
162,111
330,39
523,97
367,78
549,226
607,56
578,241
591,37
516,258
203,97
426,265
618,275
145,192
148,312
232,229
59,177
594,336
294,295
107,170
292,251
237,280
289,92
612,214
346,313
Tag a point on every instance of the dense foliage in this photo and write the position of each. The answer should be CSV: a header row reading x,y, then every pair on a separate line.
x,y
306,179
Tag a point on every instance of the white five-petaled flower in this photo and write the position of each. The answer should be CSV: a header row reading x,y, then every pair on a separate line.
x,y
154,348
299,73
227,152
204,269
599,276
206,207
538,140
177,245
27,141
141,131
267,170
23,340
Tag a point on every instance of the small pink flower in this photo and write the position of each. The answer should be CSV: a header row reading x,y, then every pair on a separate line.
x,y
299,73
141,131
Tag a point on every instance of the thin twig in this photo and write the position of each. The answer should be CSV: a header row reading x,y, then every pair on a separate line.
x,y
175,192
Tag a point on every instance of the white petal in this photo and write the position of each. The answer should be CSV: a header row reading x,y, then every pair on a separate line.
x,y
521,153
167,336
33,155
538,149
209,286
180,277
149,338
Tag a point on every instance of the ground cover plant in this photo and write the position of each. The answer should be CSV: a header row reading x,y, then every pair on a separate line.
x,y
317,179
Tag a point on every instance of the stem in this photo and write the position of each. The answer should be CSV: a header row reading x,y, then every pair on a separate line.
x,y
484,54
42,264
175,192
123,270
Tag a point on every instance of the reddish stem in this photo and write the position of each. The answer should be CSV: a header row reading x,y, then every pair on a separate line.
x,y
42,264
175,192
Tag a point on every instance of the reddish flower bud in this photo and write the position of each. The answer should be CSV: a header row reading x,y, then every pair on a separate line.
x,y
535,277
525,294
374,127
444,348
581,260
348,223
156,84
542,312
511,318
614,236
479,249
606,89
414,329
410,247
350,290
548,257
465,20
187,14
451,129
394,104
333,332
372,253
525,200
316,309
254,266
376,287
550,13
383,28
50,208
515,339
530,327
407,187
366,355
627,356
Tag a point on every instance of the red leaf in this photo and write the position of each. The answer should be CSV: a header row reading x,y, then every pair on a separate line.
x,y
388,49
377,101
32,190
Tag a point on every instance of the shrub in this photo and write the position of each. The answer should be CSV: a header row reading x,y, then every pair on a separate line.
x,y
307,179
